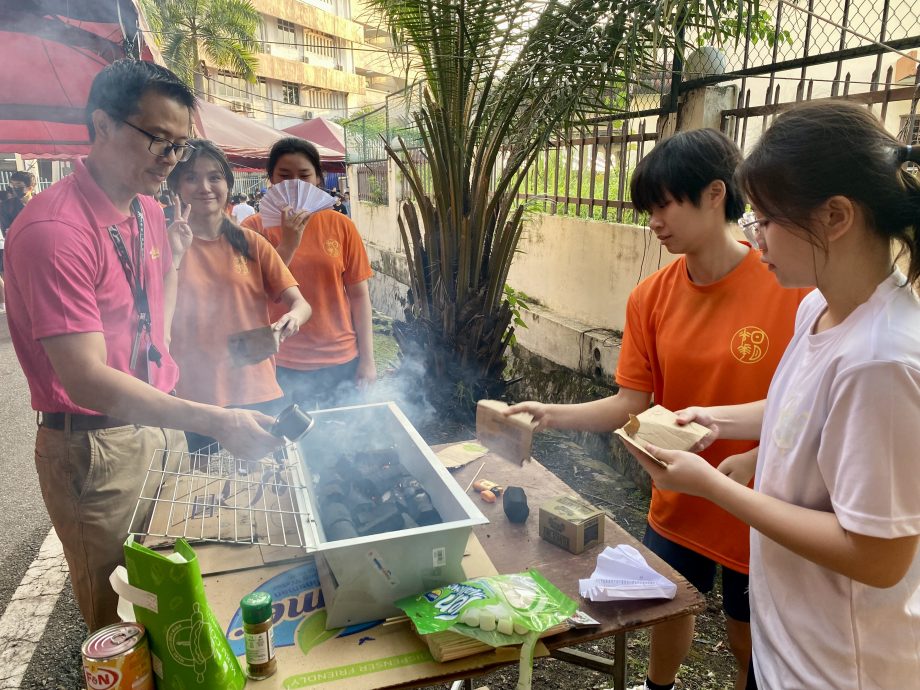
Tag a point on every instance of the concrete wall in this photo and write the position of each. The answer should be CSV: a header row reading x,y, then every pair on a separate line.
x,y
577,274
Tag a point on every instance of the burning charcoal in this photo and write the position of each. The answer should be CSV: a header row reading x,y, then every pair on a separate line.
x,y
337,522
385,517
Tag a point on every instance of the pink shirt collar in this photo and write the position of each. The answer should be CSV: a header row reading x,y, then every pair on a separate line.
x,y
104,210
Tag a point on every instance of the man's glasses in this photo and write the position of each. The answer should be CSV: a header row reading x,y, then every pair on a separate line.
x,y
163,147
750,224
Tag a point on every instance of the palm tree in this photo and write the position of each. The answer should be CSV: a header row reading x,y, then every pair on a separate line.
x,y
222,30
502,78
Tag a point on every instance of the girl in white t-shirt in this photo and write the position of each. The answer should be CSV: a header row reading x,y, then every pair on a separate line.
x,y
835,512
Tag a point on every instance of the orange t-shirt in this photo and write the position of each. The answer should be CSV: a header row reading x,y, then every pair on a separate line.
x,y
331,255
222,293
715,344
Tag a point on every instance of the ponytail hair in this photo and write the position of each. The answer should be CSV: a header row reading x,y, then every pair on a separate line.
x,y
832,148
203,147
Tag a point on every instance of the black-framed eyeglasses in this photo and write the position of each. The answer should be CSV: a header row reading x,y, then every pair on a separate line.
x,y
163,147
750,224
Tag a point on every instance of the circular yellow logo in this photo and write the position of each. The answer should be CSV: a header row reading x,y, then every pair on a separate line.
x,y
750,344
240,264
332,247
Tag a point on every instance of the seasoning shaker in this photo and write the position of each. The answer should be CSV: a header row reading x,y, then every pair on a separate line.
x,y
259,635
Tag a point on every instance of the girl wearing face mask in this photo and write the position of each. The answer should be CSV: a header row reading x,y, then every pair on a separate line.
x,y
835,510
324,364
228,278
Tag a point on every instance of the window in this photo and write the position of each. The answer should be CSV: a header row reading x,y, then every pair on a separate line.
x,y
287,32
260,90
321,44
229,85
321,99
914,134
290,93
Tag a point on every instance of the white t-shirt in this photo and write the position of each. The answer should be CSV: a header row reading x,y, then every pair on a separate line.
x,y
242,211
841,434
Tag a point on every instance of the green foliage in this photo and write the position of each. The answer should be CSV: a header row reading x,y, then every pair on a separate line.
x,y
225,30
516,300
762,28
503,77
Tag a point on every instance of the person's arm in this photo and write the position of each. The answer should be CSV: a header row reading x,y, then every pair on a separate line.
x,y
293,224
812,534
79,360
180,238
739,422
299,312
359,300
599,416
170,293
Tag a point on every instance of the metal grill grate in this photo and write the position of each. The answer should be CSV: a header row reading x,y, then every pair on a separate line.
x,y
210,496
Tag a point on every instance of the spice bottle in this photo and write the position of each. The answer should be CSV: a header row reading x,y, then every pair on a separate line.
x,y
259,635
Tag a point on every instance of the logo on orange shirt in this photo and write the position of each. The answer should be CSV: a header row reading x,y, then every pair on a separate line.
x,y
332,247
750,344
240,264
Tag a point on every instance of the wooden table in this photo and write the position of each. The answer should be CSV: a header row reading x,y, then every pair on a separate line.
x,y
514,548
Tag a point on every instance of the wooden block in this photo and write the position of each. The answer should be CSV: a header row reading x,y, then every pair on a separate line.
x,y
251,347
508,437
658,426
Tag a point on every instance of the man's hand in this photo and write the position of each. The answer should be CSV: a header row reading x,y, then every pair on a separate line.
x,y
179,231
244,433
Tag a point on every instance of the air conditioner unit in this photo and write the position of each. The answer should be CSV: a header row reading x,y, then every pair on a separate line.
x,y
308,115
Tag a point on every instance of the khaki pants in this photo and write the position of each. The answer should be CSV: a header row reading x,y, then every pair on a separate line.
x,y
90,481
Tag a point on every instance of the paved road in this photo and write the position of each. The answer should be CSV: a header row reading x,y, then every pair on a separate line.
x,y
54,662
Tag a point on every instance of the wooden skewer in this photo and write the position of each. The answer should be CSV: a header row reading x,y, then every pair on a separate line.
x,y
475,476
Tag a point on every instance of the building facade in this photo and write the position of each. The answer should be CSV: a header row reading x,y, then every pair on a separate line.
x,y
317,58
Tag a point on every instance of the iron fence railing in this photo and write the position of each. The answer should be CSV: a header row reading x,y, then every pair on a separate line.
x,y
786,52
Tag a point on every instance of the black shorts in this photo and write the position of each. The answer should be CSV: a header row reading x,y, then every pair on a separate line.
x,y
700,572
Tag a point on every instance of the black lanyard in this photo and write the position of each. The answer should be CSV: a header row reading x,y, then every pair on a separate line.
x,y
135,276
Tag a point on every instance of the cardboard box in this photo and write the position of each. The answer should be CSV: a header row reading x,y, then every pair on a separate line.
x,y
571,523
370,656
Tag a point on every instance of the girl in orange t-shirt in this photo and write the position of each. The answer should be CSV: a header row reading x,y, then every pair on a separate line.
x,y
333,355
228,277
712,326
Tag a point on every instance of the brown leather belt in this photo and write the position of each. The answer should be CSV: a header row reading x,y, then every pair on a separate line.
x,y
78,422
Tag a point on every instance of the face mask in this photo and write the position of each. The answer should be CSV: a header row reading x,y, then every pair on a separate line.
x,y
19,192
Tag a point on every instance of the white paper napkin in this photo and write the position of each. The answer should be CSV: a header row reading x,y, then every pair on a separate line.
x,y
623,574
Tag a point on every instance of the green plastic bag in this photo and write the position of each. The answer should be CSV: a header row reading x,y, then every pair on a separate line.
x,y
498,610
187,643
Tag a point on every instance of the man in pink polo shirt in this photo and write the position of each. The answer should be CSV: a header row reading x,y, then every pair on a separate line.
x,y
90,295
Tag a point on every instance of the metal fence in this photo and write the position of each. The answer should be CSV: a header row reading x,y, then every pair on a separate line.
x,y
786,52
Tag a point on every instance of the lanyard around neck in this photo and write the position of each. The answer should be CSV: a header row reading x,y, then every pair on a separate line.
x,y
134,274
136,280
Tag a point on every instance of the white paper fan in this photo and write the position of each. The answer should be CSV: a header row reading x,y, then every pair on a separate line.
x,y
299,195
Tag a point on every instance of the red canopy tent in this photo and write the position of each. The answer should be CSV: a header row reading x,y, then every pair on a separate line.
x,y
245,141
51,51
321,132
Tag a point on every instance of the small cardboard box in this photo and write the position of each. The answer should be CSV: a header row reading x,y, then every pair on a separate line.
x,y
571,523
